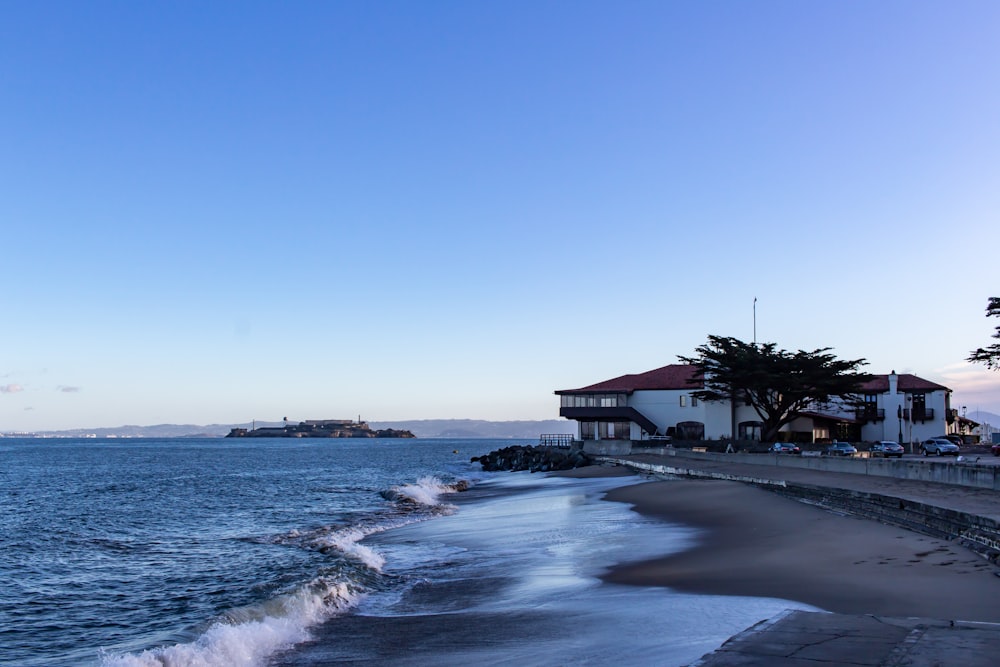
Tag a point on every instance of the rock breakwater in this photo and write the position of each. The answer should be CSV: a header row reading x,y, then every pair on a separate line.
x,y
533,459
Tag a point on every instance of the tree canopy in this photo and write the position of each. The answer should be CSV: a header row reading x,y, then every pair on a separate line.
x,y
989,355
777,383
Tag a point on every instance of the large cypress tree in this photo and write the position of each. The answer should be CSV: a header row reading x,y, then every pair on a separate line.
x,y
777,383
989,355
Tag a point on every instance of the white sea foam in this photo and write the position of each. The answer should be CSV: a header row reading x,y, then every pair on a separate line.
x,y
249,636
425,491
347,541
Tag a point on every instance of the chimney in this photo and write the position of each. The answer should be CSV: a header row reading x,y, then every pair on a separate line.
x,y
893,383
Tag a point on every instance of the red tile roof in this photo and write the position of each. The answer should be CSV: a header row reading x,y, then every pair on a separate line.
x,y
880,384
675,376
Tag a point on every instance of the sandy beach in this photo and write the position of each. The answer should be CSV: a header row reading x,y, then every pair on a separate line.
x,y
756,543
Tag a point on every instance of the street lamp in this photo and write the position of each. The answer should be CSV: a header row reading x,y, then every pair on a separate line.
x,y
899,417
909,418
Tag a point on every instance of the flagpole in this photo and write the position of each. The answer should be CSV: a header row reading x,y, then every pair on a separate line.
x,y
755,320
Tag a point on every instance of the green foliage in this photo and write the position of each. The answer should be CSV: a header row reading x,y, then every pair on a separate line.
x,y
777,383
989,355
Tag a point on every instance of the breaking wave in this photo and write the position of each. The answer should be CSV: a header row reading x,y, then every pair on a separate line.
x,y
426,491
248,636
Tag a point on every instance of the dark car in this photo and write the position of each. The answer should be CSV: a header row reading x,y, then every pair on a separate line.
x,y
995,449
840,449
939,447
785,448
887,449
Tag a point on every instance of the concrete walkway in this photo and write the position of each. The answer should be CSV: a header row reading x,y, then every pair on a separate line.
x,y
816,639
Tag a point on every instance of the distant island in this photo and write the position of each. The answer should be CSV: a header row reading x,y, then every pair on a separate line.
x,y
320,428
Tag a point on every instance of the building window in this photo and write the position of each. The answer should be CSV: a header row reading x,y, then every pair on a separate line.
x,y
750,430
690,430
615,430
869,413
594,401
684,401
586,430
694,401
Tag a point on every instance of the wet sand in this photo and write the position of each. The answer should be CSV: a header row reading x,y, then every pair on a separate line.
x,y
760,544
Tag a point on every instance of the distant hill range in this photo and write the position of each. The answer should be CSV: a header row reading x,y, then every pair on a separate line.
x,y
478,428
983,417
423,428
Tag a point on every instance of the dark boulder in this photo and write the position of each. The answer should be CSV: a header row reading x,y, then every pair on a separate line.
x,y
532,458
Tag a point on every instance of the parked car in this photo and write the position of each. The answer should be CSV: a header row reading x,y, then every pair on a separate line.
x,y
995,449
840,449
954,439
785,448
939,447
887,449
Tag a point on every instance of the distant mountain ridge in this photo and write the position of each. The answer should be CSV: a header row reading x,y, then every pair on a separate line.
x,y
422,428
983,417
479,428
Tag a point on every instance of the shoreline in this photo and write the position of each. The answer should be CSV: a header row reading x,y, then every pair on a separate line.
x,y
758,544
512,577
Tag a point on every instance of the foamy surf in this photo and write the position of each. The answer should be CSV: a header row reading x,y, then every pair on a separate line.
x,y
249,636
426,491
348,542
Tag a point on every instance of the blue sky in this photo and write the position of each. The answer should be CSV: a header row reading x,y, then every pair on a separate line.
x,y
219,212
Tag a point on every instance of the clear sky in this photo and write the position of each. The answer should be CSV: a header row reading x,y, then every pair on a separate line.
x,y
226,211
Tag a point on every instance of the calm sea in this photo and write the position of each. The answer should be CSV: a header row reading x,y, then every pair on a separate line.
x,y
219,552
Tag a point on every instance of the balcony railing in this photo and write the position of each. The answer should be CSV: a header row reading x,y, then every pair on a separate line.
x,y
562,440
870,414
924,415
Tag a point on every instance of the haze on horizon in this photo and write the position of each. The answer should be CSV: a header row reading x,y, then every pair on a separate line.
x,y
219,213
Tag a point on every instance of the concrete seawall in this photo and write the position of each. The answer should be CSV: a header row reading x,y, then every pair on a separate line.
x,y
944,471
977,532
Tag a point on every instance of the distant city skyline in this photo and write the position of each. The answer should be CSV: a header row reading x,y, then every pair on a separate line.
x,y
219,213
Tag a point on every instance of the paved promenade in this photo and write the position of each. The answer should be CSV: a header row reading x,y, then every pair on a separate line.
x,y
980,502
816,639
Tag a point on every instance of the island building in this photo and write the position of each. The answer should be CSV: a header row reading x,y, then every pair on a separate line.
x,y
319,428
650,408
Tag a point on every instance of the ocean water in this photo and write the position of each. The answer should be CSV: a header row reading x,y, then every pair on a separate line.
x,y
220,552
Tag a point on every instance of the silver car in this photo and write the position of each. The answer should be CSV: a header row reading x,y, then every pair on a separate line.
x,y
888,449
939,447
840,449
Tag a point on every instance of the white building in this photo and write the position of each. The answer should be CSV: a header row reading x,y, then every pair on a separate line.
x,y
904,407
658,403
